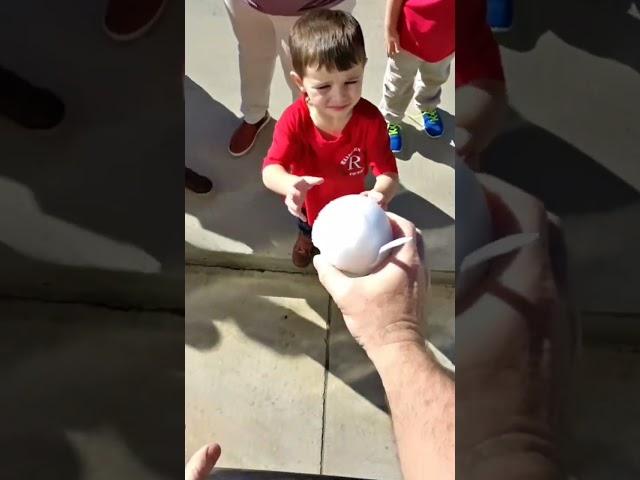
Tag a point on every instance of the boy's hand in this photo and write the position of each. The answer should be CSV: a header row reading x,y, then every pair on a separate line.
x,y
378,197
392,39
294,200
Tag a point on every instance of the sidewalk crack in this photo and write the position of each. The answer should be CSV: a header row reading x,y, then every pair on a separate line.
x,y
326,382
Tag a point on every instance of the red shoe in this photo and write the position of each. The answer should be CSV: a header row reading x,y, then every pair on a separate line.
x,y
245,136
128,20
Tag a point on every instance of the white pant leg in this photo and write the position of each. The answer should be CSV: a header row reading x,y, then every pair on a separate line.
x,y
429,83
257,57
282,27
345,6
399,78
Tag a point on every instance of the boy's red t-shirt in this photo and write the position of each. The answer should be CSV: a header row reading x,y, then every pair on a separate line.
x,y
427,28
300,147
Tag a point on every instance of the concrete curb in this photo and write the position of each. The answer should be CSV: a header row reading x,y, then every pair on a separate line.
x,y
111,289
195,256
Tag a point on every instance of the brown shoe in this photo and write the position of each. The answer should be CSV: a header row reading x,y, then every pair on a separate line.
x,y
303,251
245,136
196,182
126,20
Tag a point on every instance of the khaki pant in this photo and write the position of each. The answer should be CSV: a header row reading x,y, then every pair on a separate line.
x,y
262,38
401,82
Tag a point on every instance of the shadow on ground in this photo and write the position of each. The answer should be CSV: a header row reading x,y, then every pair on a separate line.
x,y
567,180
270,324
421,212
111,172
415,140
72,372
575,21
214,299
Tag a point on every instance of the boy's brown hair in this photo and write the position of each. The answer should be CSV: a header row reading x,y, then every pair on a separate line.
x,y
329,39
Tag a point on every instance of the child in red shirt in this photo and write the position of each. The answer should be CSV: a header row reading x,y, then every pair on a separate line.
x,y
420,38
327,141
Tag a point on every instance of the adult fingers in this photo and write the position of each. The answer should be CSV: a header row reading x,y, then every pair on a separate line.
x,y
202,462
401,227
336,282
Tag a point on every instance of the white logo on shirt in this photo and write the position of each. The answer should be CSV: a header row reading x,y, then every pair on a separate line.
x,y
353,162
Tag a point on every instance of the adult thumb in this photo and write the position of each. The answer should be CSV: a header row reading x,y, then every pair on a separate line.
x,y
330,277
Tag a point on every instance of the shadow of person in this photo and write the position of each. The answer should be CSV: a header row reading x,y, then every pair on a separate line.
x,y
420,211
577,23
349,363
250,301
28,454
415,140
242,209
547,166
85,379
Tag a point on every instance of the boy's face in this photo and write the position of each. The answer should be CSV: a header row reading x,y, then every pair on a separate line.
x,y
332,93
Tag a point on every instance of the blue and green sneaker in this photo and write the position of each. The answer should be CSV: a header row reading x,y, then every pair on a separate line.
x,y
395,137
433,123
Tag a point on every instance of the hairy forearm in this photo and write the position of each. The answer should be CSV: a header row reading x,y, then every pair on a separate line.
x,y
387,185
277,179
422,402
392,14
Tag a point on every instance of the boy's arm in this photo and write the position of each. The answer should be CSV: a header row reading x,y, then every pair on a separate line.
x,y
277,179
392,14
292,187
387,185
383,163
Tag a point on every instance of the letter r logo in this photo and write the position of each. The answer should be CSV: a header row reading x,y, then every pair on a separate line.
x,y
354,160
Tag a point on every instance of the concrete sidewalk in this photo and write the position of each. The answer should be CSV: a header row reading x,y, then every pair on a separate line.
x,y
243,224
273,375
271,371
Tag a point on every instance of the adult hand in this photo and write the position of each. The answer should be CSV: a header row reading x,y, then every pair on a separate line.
x,y
384,308
514,346
202,462
296,194
392,41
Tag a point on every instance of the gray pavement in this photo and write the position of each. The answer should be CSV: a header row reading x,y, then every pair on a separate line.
x,y
271,372
242,223
274,376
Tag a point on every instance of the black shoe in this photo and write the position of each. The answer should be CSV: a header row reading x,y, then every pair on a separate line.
x,y
196,182
27,105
